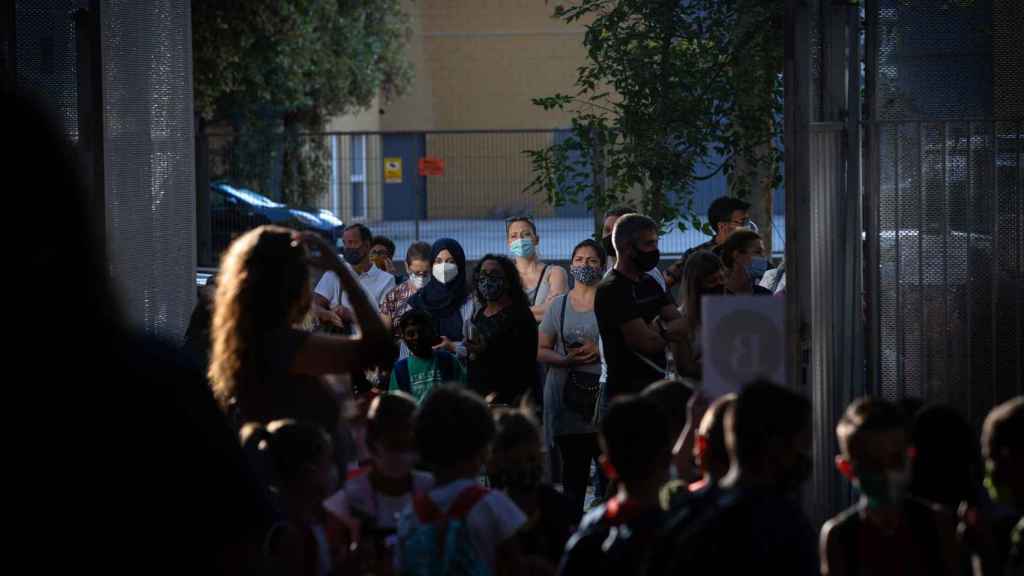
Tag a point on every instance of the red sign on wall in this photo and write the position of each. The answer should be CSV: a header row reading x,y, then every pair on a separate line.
x,y
431,166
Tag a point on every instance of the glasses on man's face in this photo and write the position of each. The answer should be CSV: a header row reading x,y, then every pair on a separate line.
x,y
745,223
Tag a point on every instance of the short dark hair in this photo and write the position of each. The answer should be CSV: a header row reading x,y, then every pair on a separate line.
x,y
515,428
392,411
763,412
866,415
593,245
671,397
722,208
620,211
629,227
712,428
418,251
635,437
386,243
1003,430
283,448
452,426
414,317
364,231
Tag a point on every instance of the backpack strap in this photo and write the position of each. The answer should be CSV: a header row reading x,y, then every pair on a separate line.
x,y
445,366
402,375
466,500
426,510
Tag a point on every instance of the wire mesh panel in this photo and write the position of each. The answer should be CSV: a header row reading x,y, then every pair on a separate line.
x,y
948,109
46,55
149,160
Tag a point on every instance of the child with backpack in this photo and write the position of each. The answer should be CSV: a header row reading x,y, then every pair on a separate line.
x,y
617,537
459,527
887,531
425,368
362,519
297,459
517,468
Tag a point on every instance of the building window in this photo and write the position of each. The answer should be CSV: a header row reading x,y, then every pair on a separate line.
x,y
335,188
358,175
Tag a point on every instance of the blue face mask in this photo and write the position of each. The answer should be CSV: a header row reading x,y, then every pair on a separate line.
x,y
522,248
758,266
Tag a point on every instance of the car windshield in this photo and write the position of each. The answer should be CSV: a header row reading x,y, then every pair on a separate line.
x,y
253,197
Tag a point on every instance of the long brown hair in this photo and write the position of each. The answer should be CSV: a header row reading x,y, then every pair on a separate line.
x,y
738,241
263,286
698,267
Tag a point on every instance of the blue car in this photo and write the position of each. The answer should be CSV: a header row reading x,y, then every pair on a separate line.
x,y
234,210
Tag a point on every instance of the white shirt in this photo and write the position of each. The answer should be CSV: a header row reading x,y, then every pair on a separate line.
x,y
375,282
494,519
359,494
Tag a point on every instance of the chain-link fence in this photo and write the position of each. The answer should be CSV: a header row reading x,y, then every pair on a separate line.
x,y
472,181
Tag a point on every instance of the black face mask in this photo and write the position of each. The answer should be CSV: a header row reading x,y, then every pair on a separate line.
x,y
646,261
353,255
608,246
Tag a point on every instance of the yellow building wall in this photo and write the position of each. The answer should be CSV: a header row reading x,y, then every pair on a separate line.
x,y
478,64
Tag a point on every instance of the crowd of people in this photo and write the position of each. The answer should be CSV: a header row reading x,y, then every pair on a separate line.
x,y
436,454
353,418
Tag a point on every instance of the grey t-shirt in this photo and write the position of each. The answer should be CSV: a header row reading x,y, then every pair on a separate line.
x,y
539,293
579,326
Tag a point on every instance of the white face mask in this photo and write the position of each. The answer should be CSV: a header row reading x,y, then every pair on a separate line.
x,y
417,280
446,272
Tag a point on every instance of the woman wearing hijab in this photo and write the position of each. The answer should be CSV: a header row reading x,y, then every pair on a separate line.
x,y
446,297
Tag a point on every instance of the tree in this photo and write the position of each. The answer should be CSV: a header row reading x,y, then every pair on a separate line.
x,y
275,69
667,83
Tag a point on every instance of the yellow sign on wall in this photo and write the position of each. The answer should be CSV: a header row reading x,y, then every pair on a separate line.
x,y
392,170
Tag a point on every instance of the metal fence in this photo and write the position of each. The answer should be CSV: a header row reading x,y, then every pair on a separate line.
x,y
374,178
119,75
946,229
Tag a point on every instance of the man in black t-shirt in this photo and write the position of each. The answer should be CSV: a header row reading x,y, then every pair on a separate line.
x,y
636,317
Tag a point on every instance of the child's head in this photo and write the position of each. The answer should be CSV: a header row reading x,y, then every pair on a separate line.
x,y
516,463
671,396
709,450
768,434
298,459
873,440
389,434
453,429
417,330
635,442
1002,443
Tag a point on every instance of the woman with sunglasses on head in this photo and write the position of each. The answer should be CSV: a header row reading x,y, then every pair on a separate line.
x,y
542,282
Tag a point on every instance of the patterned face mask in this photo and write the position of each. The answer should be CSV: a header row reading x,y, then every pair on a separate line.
x,y
491,288
586,275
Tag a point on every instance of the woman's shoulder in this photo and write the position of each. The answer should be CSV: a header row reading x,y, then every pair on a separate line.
x,y
554,270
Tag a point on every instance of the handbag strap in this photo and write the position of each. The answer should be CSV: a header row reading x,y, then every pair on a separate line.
x,y
561,324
